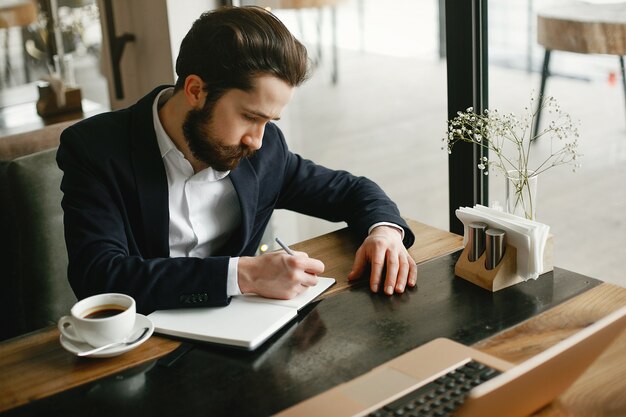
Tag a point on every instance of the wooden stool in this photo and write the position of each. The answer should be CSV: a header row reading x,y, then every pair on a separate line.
x,y
583,28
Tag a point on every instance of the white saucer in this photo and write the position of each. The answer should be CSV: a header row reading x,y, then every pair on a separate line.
x,y
141,321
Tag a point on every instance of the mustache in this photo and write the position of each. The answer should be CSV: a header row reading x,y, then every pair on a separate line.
x,y
236,152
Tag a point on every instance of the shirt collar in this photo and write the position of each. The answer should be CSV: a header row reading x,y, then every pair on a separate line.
x,y
164,141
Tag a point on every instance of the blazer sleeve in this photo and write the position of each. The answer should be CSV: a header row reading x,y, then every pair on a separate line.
x,y
337,195
103,236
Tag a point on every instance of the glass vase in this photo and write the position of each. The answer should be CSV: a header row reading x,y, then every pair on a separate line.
x,y
521,194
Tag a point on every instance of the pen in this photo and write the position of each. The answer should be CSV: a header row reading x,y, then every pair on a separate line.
x,y
285,247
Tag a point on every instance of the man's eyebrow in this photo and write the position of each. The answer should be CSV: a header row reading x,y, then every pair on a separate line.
x,y
262,115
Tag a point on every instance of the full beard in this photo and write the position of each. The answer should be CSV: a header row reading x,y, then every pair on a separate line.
x,y
205,147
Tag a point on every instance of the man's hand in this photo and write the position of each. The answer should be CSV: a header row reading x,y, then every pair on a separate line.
x,y
383,248
277,274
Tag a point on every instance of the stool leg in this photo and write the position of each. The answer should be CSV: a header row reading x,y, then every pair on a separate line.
x,y
25,55
544,76
7,58
621,65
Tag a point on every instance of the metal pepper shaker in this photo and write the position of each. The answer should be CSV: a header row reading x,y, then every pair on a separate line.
x,y
475,240
495,240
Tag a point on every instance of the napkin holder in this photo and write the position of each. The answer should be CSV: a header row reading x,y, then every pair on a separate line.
x,y
48,105
504,274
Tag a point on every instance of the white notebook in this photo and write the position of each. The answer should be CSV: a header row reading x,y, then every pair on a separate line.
x,y
246,322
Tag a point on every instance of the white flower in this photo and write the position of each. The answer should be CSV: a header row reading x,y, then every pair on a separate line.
x,y
507,138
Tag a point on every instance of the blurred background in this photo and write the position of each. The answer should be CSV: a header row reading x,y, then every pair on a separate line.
x,y
376,103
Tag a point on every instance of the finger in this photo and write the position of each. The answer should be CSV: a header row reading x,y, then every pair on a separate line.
x,y
412,272
392,272
296,291
377,264
298,253
313,266
304,264
309,280
403,275
358,265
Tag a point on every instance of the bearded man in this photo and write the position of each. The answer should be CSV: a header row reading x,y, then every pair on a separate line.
x,y
168,199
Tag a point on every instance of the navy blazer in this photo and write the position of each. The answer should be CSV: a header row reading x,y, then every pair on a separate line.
x,y
116,215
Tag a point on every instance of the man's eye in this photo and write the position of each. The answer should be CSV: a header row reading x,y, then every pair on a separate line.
x,y
250,117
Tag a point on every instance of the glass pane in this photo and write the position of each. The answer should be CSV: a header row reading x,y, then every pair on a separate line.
x,y
384,116
584,209
27,36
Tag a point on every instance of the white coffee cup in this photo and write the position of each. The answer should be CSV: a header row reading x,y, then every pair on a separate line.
x,y
100,319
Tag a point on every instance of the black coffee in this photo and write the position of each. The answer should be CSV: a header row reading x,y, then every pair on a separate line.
x,y
103,312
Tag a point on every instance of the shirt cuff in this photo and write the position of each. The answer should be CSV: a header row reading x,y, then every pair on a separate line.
x,y
386,224
232,284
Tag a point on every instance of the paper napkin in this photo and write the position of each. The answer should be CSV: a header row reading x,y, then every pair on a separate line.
x,y
58,87
527,236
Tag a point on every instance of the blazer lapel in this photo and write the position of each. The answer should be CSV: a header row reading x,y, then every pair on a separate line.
x,y
246,185
151,180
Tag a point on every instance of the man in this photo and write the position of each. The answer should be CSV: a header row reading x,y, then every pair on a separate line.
x,y
167,200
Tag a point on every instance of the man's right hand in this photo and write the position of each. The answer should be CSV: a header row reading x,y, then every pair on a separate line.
x,y
277,274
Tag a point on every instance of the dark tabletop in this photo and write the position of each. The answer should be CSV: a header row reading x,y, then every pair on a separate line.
x,y
331,342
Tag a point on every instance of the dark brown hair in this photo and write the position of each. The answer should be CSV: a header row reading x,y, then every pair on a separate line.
x,y
227,47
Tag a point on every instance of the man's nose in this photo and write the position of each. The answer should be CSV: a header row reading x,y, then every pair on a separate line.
x,y
254,137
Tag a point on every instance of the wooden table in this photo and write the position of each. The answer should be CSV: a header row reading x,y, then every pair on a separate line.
x,y
600,390
34,367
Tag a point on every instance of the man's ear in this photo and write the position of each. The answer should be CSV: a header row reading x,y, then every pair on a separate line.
x,y
194,91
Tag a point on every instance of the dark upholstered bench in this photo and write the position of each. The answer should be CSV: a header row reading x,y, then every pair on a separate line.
x,y
33,258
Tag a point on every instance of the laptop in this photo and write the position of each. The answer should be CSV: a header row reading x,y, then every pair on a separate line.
x,y
443,378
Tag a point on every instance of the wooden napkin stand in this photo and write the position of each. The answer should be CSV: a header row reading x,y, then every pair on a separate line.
x,y
48,106
504,274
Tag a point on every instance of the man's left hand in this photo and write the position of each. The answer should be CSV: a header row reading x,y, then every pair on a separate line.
x,y
383,248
